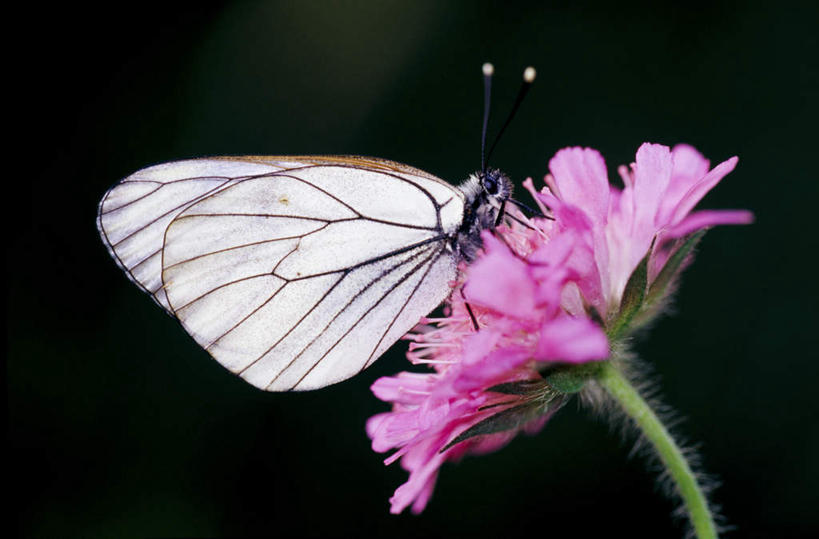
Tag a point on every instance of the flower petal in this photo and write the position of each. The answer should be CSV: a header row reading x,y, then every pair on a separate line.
x,y
501,281
496,367
706,218
689,166
572,340
478,345
700,189
652,175
393,429
406,387
418,488
580,178
580,249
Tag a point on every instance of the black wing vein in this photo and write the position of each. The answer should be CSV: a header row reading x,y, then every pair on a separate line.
x,y
433,257
347,305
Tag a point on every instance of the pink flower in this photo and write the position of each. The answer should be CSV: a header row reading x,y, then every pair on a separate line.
x,y
622,227
544,293
486,385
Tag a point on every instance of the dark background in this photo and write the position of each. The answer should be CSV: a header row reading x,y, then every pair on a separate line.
x,y
119,425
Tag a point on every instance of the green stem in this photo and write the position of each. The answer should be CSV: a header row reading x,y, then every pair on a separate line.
x,y
672,458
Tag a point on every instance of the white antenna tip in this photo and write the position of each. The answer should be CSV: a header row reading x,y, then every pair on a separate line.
x,y
529,74
488,69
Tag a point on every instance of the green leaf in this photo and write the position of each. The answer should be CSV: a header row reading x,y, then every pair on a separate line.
x,y
672,267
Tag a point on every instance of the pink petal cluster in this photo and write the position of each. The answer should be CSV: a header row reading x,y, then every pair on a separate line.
x,y
618,227
530,292
516,301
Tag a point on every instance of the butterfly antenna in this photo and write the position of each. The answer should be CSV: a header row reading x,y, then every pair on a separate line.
x,y
528,78
488,70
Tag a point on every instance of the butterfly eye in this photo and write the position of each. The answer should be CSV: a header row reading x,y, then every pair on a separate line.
x,y
490,184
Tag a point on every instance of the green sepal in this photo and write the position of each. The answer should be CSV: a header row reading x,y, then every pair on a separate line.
x,y
508,419
632,301
571,379
672,267
521,387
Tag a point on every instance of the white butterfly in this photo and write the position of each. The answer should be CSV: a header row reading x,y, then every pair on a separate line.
x,y
296,272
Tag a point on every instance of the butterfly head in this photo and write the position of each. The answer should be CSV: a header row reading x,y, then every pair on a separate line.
x,y
495,185
485,194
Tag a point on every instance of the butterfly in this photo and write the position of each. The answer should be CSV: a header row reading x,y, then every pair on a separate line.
x,y
297,272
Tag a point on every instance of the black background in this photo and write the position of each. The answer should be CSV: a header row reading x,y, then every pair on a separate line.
x,y
119,425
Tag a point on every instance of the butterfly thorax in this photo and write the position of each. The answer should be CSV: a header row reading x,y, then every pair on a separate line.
x,y
484,193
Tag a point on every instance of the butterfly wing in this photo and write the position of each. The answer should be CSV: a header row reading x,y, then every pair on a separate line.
x,y
134,214
294,276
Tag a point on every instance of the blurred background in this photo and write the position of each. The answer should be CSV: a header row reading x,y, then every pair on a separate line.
x,y
119,425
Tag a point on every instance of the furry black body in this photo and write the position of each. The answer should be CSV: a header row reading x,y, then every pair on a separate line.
x,y
485,194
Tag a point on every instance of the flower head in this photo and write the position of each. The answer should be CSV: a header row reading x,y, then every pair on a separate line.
x,y
644,219
486,385
544,295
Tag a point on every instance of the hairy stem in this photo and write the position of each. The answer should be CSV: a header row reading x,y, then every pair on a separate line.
x,y
629,399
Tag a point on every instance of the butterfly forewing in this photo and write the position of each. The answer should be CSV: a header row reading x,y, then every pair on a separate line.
x,y
293,272
134,214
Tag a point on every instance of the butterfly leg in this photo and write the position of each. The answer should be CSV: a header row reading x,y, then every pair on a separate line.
x,y
469,310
